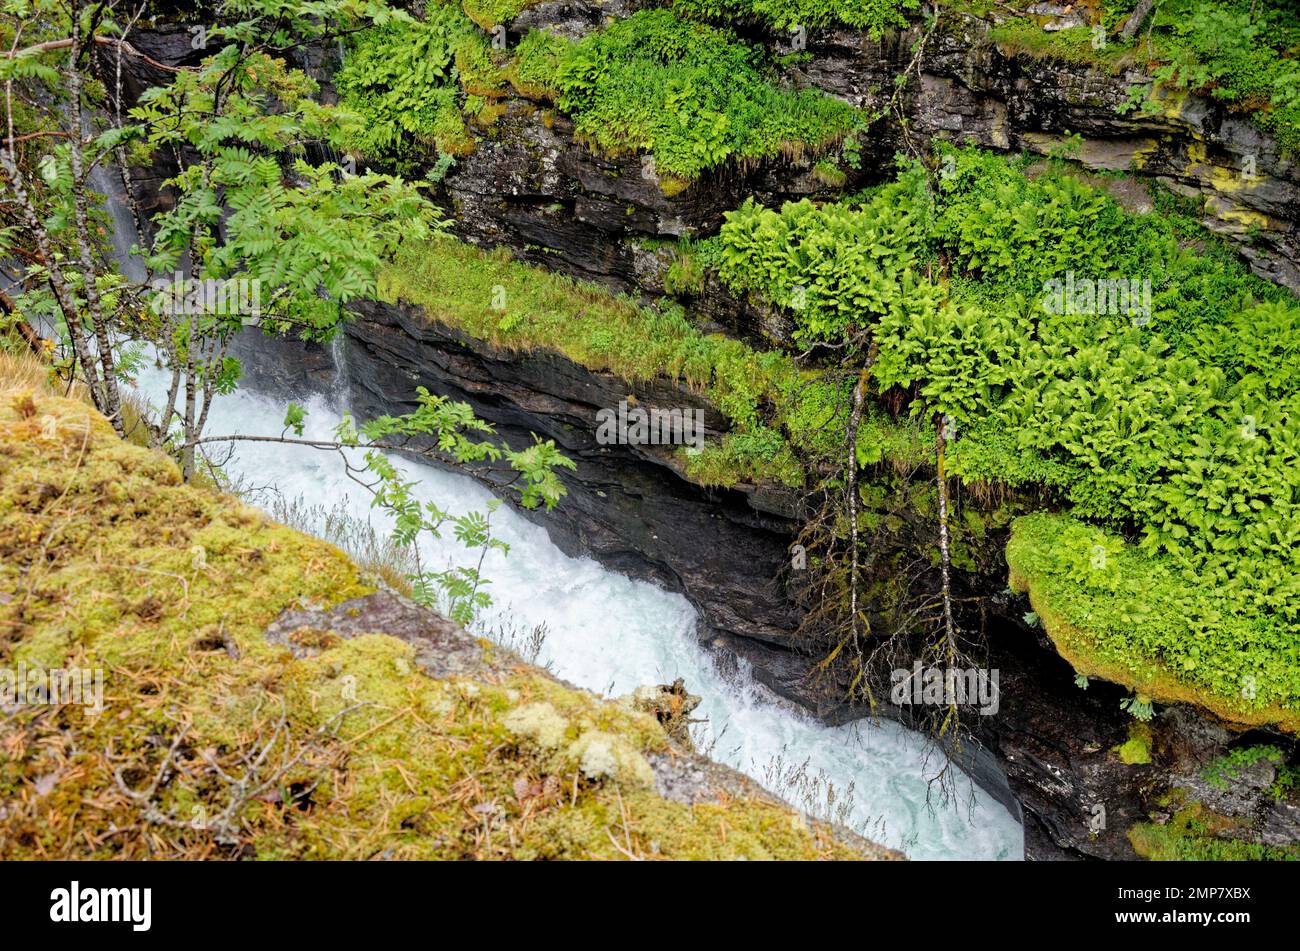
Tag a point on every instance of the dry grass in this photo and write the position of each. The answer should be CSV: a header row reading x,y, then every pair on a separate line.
x,y
24,370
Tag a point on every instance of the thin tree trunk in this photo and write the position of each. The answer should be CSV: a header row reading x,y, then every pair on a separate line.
x,y
112,407
1136,18
945,552
217,354
191,384
120,152
855,421
63,295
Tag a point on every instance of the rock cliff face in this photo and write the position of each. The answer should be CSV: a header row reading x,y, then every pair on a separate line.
x,y
629,506
727,552
531,188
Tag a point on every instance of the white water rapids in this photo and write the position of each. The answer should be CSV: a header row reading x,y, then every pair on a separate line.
x,y
611,634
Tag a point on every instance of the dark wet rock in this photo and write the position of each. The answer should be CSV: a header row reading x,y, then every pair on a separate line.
x,y
531,188
628,506
442,648
1189,743
572,19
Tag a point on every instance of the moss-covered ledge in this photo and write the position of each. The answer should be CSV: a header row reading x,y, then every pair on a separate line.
x,y
772,403
261,700
1123,615
515,306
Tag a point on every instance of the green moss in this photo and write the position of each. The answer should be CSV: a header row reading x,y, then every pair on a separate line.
x,y
179,562
1136,750
1194,834
1025,36
875,16
1224,769
107,561
693,96
489,13
534,70
685,274
745,457
830,174
519,307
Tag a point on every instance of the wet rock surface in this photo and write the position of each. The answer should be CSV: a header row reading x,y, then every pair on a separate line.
x,y
628,506
532,188
442,648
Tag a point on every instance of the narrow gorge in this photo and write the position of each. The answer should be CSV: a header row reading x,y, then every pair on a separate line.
x,y
830,232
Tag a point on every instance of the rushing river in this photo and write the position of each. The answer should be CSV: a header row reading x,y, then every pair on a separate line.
x,y
611,634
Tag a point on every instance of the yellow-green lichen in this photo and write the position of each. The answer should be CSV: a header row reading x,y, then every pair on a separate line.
x,y
1136,750
540,723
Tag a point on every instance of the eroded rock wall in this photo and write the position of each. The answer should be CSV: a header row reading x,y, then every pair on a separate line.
x,y
532,187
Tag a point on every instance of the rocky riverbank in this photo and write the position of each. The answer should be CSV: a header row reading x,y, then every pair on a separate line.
x,y
258,698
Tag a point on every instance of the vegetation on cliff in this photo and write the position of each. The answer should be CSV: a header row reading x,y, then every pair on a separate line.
x,y
1168,415
1239,52
679,83
1192,594
691,95
1242,53
494,298
415,84
875,16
